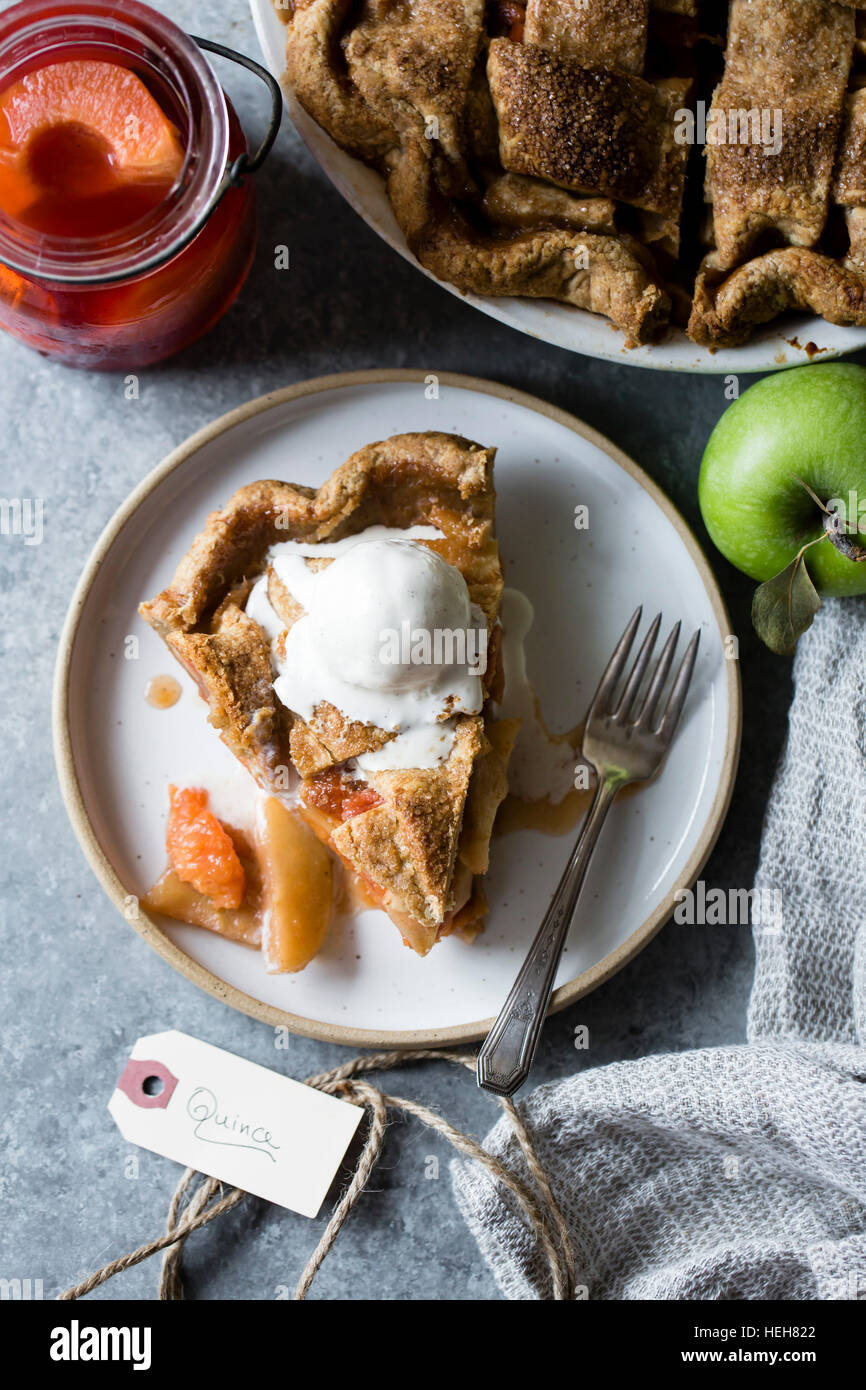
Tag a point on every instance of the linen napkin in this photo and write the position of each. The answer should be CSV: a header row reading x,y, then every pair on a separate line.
x,y
734,1172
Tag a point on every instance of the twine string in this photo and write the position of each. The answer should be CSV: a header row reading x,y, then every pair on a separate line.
x,y
144,1252
198,1200
170,1279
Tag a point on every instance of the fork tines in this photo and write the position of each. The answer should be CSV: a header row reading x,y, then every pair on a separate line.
x,y
632,707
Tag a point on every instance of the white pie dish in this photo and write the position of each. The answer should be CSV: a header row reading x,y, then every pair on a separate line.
x,y
789,342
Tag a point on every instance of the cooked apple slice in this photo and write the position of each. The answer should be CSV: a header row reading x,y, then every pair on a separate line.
x,y
174,898
487,790
298,887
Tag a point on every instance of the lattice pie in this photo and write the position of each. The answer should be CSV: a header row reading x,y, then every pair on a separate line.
x,y
545,149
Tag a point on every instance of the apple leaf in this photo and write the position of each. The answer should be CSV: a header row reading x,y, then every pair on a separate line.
x,y
785,607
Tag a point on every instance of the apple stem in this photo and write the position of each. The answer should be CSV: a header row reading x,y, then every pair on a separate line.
x,y
814,496
816,541
836,531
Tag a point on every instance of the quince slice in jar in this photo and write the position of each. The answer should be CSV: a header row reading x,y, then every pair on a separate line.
x,y
84,149
297,888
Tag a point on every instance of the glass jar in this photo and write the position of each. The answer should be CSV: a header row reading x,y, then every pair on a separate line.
x,y
142,291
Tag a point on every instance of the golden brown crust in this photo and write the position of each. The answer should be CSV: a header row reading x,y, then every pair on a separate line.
x,y
414,66
414,78
789,278
849,180
595,130
513,200
612,33
794,60
605,274
394,482
284,604
405,846
855,223
313,70
229,659
412,479
327,738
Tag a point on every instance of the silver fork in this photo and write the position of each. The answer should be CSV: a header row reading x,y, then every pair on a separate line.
x,y
625,742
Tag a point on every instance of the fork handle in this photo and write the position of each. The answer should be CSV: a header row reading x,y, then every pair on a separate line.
x,y
507,1053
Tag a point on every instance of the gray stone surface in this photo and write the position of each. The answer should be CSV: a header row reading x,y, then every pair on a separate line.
x,y
78,987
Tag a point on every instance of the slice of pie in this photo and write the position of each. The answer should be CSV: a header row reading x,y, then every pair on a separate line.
x,y
296,612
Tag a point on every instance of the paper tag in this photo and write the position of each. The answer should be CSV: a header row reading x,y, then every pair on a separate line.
x,y
233,1120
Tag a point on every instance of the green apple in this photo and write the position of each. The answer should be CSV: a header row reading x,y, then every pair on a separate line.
x,y
803,426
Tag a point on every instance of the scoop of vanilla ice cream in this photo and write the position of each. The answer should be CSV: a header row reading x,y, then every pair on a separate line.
x,y
389,637
369,602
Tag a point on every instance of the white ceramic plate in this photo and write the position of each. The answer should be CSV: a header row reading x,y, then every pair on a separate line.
x,y
116,754
565,327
